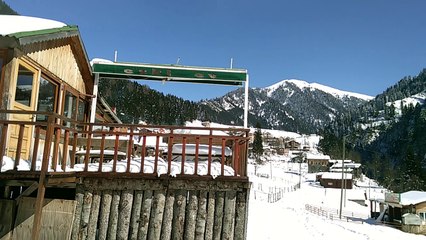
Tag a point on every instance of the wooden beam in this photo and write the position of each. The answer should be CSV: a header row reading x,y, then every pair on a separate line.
x,y
27,191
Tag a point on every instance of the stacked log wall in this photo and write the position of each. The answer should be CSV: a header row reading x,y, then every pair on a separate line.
x,y
161,209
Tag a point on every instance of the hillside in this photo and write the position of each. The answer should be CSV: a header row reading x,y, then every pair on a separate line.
x,y
5,9
291,105
387,135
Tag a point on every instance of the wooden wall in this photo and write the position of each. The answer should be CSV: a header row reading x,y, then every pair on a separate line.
x,y
57,217
58,59
161,209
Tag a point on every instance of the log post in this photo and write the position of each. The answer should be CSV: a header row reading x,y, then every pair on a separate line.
x,y
218,216
166,229
229,217
200,226
210,215
113,216
125,210
79,196
241,215
156,219
94,213
144,216
85,214
179,215
136,213
191,215
105,212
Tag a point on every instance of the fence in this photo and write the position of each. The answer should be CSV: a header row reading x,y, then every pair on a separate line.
x,y
273,194
333,214
56,144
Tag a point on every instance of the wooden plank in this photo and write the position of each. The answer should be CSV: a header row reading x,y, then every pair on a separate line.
x,y
7,210
179,215
218,216
156,219
241,214
113,216
125,210
191,215
145,214
136,213
166,229
94,214
210,215
79,196
229,216
200,226
85,214
105,212
57,216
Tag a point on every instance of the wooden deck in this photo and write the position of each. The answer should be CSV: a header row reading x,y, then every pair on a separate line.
x,y
171,203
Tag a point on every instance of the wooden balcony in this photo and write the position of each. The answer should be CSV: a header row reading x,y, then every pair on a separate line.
x,y
61,146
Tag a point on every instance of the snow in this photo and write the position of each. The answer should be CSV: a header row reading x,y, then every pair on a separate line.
x,y
412,197
288,218
135,166
305,85
13,24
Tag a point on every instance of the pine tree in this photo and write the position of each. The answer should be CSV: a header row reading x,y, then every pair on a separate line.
x,y
257,143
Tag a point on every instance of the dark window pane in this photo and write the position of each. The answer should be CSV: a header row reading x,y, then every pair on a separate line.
x,y
24,86
46,98
81,110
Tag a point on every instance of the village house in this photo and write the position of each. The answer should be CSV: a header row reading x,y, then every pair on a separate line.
x,y
334,180
407,209
317,162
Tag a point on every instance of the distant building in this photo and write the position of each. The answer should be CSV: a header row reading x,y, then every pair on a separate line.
x,y
317,163
334,180
407,209
349,166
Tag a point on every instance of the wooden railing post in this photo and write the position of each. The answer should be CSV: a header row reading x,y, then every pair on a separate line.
x,y
35,234
3,143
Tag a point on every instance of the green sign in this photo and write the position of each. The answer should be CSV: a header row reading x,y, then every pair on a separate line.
x,y
171,73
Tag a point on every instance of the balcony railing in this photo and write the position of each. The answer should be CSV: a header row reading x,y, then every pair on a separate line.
x,y
63,145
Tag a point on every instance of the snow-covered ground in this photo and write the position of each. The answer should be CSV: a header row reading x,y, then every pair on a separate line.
x,y
288,219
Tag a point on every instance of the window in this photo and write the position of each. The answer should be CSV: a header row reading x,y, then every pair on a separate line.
x,y
422,216
47,98
75,107
24,86
70,105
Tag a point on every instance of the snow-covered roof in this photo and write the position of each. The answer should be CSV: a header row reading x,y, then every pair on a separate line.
x,y
10,24
317,156
332,175
413,197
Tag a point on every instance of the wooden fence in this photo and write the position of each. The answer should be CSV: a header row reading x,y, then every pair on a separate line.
x,y
334,214
58,140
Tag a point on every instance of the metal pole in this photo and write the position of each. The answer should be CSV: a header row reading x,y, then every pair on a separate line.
x,y
94,98
246,92
341,189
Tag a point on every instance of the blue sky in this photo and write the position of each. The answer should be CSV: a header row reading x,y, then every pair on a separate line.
x,y
362,46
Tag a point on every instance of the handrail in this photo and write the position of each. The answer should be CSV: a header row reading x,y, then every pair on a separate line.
x,y
62,140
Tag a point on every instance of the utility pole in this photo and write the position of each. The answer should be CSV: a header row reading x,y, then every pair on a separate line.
x,y
341,189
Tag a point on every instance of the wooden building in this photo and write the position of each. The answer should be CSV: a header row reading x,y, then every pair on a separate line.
x,y
406,209
49,114
334,180
317,163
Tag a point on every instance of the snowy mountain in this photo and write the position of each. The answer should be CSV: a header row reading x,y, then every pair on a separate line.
x,y
291,105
